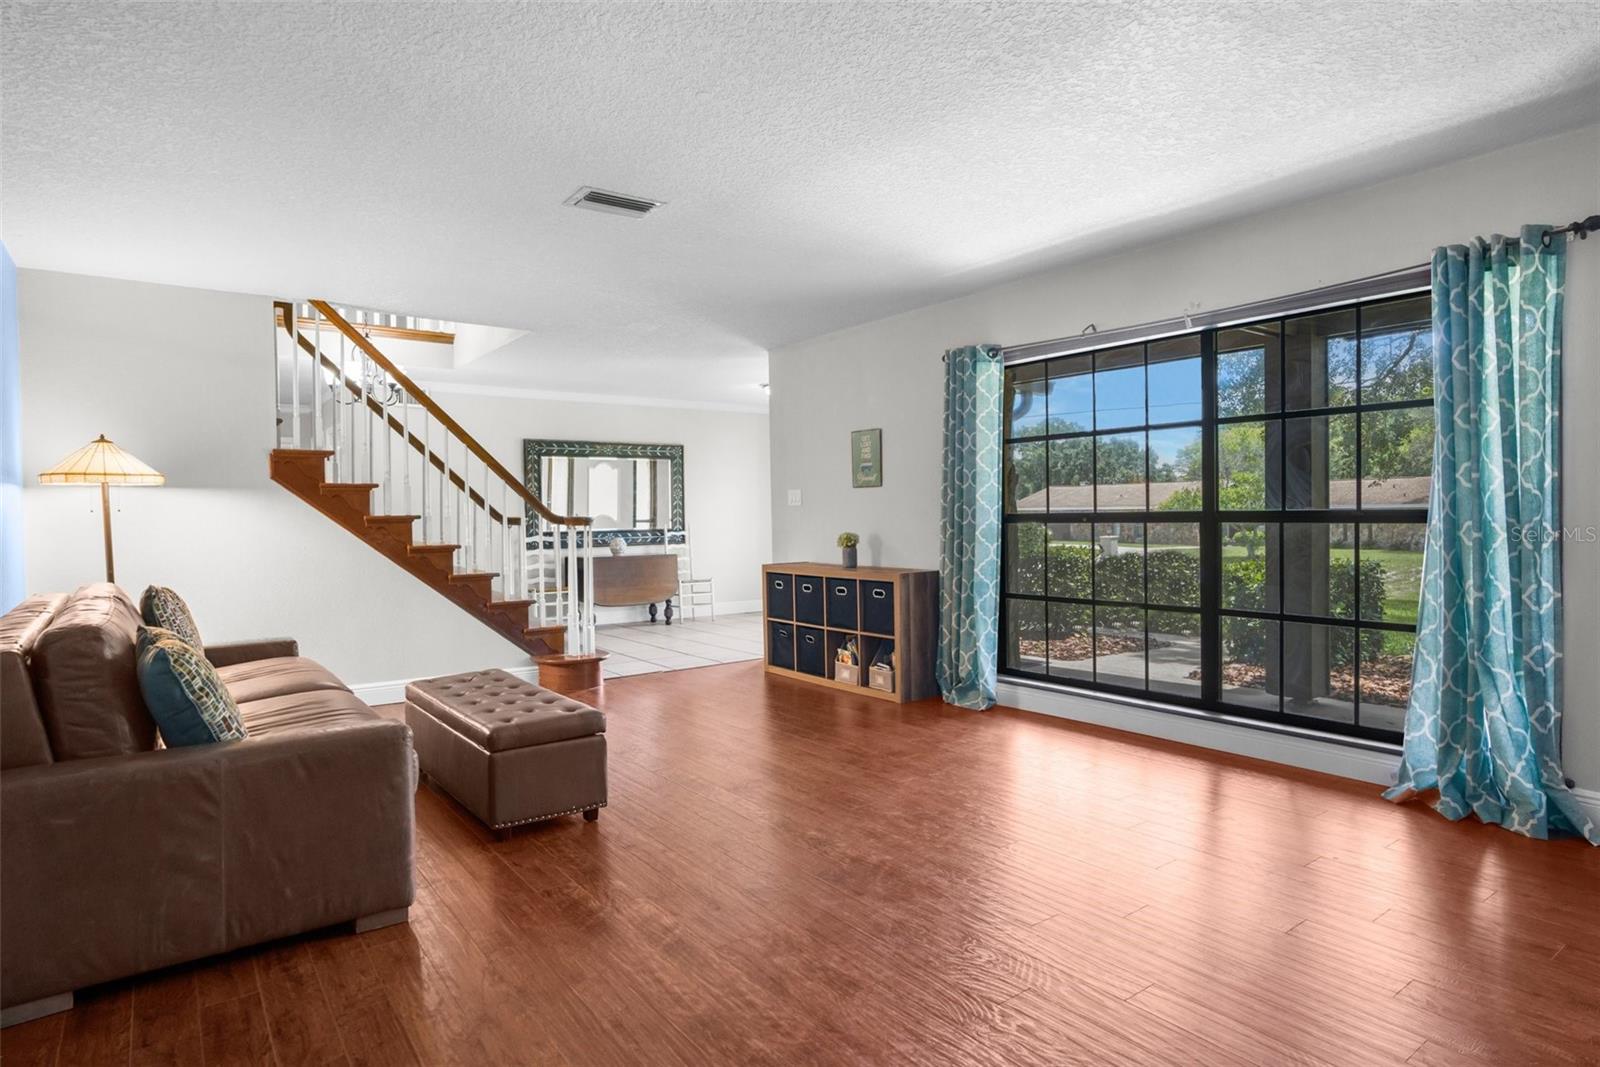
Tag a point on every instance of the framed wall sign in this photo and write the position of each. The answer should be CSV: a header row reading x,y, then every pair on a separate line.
x,y
866,459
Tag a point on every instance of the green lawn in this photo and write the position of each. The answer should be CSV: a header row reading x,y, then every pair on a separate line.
x,y
1402,580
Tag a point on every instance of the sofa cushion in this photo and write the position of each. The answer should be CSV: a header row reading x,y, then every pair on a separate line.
x,y
162,607
181,688
23,741
262,678
86,678
498,711
313,710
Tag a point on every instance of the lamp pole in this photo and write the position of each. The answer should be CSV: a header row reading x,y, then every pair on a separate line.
x,y
105,520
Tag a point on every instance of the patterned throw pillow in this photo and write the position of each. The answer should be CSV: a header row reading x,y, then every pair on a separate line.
x,y
188,701
162,607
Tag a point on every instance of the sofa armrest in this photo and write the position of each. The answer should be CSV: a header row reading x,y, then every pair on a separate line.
x,y
229,653
116,866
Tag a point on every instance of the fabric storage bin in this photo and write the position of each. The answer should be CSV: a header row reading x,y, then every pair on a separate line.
x,y
847,672
780,595
877,607
810,651
780,647
808,599
842,603
881,678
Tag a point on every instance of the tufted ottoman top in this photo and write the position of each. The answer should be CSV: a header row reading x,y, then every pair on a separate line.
x,y
499,711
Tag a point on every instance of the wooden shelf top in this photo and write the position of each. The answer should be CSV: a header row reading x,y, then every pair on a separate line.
x,y
834,570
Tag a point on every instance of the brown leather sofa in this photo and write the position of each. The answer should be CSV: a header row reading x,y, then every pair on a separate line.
x,y
118,856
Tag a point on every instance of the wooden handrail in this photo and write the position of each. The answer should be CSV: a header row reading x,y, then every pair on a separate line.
x,y
450,424
398,333
284,312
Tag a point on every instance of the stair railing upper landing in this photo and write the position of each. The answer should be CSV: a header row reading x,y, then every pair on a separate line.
x,y
337,392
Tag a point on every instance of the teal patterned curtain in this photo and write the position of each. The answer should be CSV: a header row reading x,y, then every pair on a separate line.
x,y
1483,727
969,561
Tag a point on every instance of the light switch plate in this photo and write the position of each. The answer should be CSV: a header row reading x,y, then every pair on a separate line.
x,y
794,498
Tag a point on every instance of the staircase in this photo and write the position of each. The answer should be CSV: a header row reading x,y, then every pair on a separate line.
x,y
360,442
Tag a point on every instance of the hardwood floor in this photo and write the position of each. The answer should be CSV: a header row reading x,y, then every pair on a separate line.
x,y
793,876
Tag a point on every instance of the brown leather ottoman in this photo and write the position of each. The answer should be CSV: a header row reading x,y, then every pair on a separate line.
x,y
508,750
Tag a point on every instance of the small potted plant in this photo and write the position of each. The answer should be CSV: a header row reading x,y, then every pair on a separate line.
x,y
848,542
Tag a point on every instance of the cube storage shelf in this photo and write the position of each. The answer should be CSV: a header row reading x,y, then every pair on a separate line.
x,y
813,608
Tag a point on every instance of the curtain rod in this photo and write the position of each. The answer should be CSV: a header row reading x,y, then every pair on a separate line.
x,y
1580,229
1390,283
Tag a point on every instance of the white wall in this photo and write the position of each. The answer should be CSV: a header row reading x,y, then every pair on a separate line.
x,y
182,378
473,341
888,373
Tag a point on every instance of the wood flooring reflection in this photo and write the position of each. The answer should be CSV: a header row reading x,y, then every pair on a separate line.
x,y
788,876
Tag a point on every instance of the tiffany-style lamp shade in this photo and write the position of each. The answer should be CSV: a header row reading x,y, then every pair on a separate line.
x,y
101,462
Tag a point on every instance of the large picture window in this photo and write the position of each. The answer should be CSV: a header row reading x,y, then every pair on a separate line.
x,y
1231,519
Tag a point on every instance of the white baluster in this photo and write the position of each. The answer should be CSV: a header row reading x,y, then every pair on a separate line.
x,y
367,374
588,586
575,596
294,378
462,557
338,419
316,378
427,466
350,409
540,547
444,482
488,525
405,451
388,446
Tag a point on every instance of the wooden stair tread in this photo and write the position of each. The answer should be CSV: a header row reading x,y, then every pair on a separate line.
x,y
302,472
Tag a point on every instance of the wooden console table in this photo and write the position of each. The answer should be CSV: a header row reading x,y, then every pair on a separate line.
x,y
813,608
636,578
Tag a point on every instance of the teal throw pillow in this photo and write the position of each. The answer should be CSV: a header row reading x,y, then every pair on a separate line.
x,y
185,696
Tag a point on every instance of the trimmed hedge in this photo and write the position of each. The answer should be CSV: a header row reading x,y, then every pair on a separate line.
x,y
1174,580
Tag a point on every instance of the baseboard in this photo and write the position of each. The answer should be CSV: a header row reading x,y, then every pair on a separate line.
x,y
395,692
1590,800
737,607
1364,761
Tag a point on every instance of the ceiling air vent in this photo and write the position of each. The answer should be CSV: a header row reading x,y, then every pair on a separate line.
x,y
612,203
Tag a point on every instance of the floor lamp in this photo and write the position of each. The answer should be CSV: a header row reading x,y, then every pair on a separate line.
x,y
102,461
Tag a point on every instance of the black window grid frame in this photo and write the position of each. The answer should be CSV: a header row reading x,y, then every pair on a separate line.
x,y
1211,518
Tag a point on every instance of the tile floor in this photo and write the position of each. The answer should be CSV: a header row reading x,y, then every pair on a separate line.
x,y
645,648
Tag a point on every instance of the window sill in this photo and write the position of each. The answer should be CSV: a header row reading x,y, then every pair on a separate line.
x,y
1350,757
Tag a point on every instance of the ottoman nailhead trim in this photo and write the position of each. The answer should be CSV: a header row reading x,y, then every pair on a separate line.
x,y
551,815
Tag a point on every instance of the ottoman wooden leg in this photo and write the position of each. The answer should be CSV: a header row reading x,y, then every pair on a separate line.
x,y
591,814
381,919
35,1009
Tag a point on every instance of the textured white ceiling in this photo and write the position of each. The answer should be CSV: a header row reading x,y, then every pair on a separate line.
x,y
824,164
